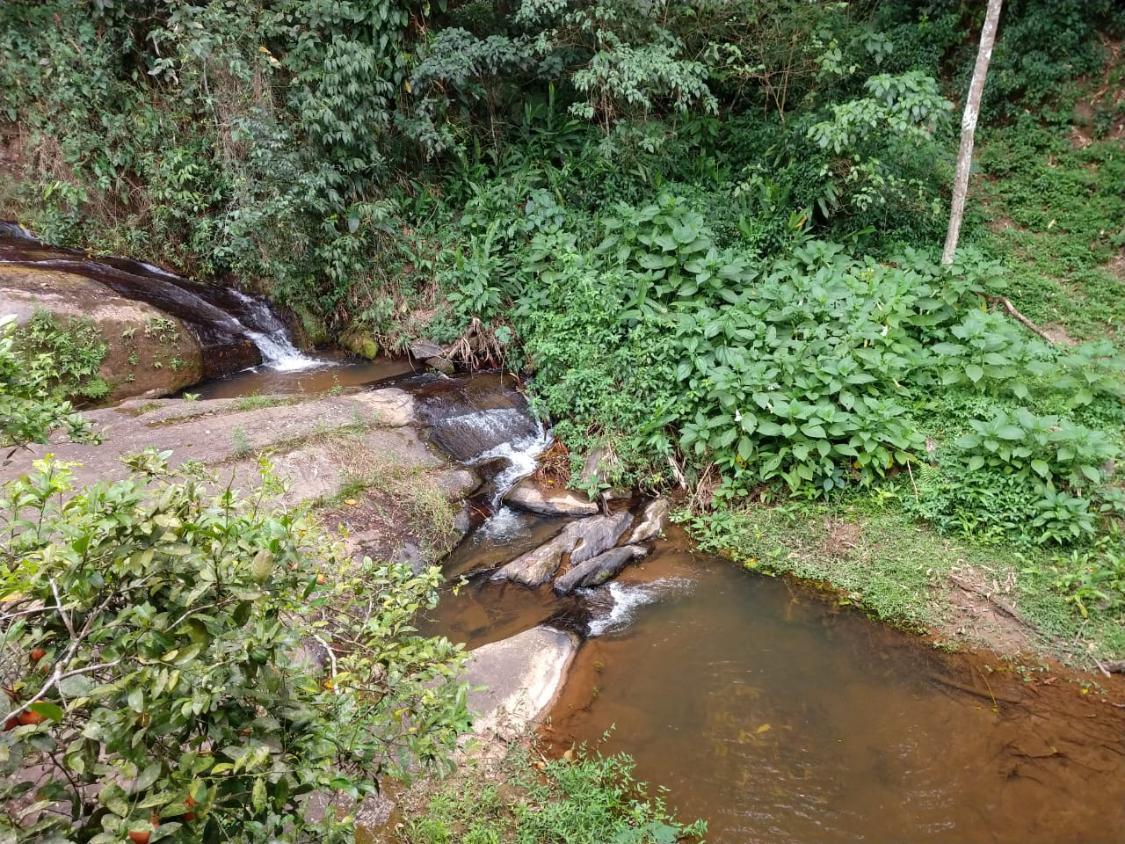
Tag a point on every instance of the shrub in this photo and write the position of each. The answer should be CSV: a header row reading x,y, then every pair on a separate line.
x,y
29,409
156,645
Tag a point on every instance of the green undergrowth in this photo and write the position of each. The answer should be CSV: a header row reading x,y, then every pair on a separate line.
x,y
1055,210
871,551
591,800
68,352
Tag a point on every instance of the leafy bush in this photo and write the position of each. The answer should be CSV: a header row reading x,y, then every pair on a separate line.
x,y
791,369
1021,477
161,659
29,408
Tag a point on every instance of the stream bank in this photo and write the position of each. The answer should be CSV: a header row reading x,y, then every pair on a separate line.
x,y
772,712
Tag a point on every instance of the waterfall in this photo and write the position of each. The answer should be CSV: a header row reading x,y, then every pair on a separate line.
x,y
220,317
269,334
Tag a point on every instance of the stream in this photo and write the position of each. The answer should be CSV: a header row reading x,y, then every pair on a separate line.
x,y
763,706
777,715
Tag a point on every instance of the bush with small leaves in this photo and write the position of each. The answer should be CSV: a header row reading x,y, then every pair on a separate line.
x,y
200,677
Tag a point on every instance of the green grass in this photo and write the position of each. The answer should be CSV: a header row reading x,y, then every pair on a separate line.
x,y
257,401
898,569
404,498
1056,213
591,800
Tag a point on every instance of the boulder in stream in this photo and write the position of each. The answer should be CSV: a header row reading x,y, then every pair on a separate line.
x,y
530,495
597,570
652,522
512,682
598,534
581,539
433,355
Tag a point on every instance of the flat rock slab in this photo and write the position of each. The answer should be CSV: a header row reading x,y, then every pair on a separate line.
x,y
581,539
529,495
597,570
513,682
216,433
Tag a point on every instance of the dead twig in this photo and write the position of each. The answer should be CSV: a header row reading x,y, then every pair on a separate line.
x,y
1015,314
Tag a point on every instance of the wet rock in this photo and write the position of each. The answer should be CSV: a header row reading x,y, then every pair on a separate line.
x,y
598,534
582,539
432,355
529,495
597,570
148,353
512,682
653,519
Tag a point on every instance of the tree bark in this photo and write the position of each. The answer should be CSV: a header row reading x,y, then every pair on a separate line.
x,y
968,129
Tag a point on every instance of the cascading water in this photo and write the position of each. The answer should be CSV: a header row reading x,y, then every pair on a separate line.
x,y
221,318
269,334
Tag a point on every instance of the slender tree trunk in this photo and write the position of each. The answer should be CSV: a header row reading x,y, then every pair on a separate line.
x,y
969,128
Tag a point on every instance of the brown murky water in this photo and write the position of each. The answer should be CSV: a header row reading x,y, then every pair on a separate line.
x,y
779,717
338,371
770,712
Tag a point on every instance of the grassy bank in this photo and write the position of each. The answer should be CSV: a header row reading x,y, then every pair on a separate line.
x,y
899,570
527,798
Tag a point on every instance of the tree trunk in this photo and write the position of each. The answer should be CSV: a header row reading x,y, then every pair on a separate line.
x,y
968,129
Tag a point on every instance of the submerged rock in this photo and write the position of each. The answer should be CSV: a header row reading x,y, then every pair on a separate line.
x,y
652,522
582,539
512,682
529,495
597,570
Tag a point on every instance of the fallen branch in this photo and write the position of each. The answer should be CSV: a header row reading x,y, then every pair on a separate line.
x,y
1003,606
1015,314
975,692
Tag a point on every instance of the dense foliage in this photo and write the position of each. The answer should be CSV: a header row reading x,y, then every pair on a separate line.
x,y
30,405
707,228
165,663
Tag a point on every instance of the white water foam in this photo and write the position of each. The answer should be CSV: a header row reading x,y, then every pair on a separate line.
x,y
628,597
522,456
277,350
503,526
